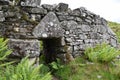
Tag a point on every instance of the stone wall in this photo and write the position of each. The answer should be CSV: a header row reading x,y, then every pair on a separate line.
x,y
26,22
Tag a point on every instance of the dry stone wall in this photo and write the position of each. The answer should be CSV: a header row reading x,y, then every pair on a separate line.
x,y
26,21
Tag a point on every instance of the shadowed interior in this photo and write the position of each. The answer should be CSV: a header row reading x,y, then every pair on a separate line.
x,y
51,48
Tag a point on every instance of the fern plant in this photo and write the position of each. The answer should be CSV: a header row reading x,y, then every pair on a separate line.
x,y
4,52
102,53
25,71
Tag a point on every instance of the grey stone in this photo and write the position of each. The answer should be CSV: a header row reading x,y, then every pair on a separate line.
x,y
62,13
48,27
63,41
31,3
110,31
23,48
85,28
71,25
78,19
82,36
95,35
69,40
113,42
104,22
101,29
2,18
36,17
49,7
4,2
39,10
62,7
62,18
76,12
88,21
76,48
9,14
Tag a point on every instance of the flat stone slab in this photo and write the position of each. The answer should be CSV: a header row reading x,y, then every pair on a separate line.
x,y
23,48
31,3
48,27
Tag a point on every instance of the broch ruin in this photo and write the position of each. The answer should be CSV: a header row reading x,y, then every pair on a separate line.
x,y
61,30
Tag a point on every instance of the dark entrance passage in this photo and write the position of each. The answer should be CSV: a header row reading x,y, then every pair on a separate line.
x,y
51,48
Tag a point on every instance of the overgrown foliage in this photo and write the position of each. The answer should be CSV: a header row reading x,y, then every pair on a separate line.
x,y
102,53
25,71
99,63
81,69
4,52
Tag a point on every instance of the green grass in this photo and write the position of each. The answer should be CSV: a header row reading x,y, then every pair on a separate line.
x,y
116,28
98,63
80,69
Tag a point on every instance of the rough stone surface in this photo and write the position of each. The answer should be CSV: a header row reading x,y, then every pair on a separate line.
x,y
48,27
62,30
22,48
2,18
4,2
31,3
62,7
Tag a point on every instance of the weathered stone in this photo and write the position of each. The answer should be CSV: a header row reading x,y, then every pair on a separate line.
x,y
23,48
39,10
71,25
85,28
2,18
35,17
76,48
69,40
31,3
4,2
76,12
9,14
62,7
113,42
49,27
110,31
104,22
78,19
49,7
82,36
101,29
62,14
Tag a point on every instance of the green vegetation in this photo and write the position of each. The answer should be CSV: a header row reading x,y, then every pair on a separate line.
x,y
102,53
23,71
116,28
4,52
98,63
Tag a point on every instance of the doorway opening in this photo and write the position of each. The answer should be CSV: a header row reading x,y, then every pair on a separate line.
x,y
51,47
